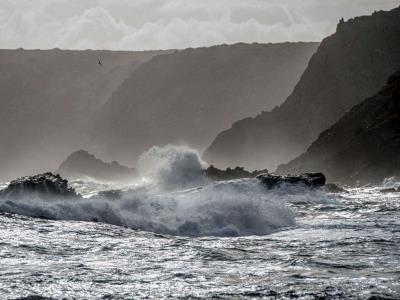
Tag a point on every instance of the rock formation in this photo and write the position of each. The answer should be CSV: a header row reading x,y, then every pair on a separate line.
x,y
47,185
363,146
310,180
82,164
349,66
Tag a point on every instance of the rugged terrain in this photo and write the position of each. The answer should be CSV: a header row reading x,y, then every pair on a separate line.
x,y
191,95
363,146
348,67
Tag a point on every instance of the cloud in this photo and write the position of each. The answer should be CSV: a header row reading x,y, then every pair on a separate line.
x,y
160,24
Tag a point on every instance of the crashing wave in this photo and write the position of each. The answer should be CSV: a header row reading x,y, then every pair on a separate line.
x,y
238,208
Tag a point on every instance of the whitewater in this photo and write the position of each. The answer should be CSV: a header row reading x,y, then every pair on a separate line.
x,y
174,234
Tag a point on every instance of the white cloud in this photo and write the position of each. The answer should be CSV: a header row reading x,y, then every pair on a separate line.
x,y
155,24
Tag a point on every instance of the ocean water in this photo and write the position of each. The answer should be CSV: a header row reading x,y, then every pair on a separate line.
x,y
297,244
174,235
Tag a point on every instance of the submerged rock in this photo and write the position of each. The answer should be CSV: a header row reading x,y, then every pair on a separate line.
x,y
333,188
43,185
216,174
390,190
312,180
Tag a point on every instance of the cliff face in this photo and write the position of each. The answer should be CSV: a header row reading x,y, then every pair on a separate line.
x,y
348,67
81,164
49,97
190,95
364,145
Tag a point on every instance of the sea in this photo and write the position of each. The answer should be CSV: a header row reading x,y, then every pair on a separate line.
x,y
226,240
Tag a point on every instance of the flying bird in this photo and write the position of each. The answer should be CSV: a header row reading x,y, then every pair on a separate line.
x,y
100,63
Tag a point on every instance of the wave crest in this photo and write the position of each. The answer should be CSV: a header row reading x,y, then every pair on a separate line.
x,y
235,208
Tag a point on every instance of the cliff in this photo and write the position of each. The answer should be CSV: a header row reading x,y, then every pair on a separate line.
x,y
48,100
189,96
363,146
349,66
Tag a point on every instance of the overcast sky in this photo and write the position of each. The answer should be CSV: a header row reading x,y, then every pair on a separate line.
x,y
161,24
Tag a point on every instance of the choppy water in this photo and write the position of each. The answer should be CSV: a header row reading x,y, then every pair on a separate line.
x,y
311,245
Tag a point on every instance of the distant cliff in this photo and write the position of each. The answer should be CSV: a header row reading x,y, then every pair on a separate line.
x,y
349,66
363,146
81,164
48,98
189,96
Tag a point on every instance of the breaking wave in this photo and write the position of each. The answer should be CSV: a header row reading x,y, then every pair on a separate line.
x,y
172,167
176,199
236,208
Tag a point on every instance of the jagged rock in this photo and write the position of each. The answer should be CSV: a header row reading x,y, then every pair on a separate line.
x,y
312,180
216,174
43,185
81,164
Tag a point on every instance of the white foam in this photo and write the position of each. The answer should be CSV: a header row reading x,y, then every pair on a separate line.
x,y
236,208
172,167
168,203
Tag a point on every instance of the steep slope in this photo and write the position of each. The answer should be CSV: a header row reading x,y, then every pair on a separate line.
x,y
81,164
190,95
48,98
364,145
349,66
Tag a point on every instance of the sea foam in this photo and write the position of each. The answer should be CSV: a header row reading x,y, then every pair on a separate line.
x,y
176,199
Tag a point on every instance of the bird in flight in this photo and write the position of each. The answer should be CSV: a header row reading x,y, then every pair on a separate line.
x,y
100,63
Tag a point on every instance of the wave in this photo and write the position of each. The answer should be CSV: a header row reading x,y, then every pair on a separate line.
x,y
236,208
175,198
172,167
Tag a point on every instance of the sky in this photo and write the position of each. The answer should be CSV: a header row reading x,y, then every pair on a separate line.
x,y
166,24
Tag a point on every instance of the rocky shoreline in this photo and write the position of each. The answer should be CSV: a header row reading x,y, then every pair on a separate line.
x,y
49,185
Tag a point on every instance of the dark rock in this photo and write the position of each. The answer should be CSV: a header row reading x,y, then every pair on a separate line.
x,y
43,185
216,174
81,164
312,180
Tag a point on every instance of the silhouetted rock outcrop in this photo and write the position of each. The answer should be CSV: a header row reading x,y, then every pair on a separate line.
x,y
363,146
218,175
349,66
81,164
311,180
191,95
42,185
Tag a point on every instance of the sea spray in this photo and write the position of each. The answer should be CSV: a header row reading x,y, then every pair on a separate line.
x,y
175,199
235,208
172,167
